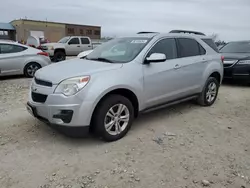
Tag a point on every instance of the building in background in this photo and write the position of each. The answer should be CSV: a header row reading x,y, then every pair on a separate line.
x,y
7,31
52,31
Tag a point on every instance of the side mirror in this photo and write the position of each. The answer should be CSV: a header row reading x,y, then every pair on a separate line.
x,y
155,58
69,43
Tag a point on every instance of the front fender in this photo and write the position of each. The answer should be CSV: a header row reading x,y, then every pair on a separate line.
x,y
104,82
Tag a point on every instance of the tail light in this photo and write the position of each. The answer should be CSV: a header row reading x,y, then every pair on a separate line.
x,y
222,59
43,53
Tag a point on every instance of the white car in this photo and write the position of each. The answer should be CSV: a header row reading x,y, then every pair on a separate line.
x,y
18,59
67,46
84,54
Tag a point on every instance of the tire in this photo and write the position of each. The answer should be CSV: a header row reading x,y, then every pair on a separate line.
x,y
204,99
59,56
30,69
103,116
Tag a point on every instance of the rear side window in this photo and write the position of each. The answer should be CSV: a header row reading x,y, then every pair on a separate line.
x,y
85,41
11,48
189,47
210,43
165,46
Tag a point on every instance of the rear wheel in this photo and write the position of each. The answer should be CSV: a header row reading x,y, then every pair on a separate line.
x,y
209,93
59,56
113,117
30,69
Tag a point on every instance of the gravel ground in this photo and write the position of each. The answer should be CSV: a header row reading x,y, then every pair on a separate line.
x,y
185,146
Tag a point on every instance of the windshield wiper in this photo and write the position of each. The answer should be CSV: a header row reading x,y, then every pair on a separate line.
x,y
101,59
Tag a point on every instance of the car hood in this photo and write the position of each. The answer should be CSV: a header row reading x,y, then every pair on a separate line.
x,y
235,56
57,72
53,44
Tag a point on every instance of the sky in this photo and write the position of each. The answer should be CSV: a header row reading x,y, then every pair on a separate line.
x,y
230,19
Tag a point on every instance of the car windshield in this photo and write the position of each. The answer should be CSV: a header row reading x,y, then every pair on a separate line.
x,y
120,50
64,40
236,47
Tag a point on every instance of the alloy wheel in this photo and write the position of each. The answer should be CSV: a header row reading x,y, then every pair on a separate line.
x,y
31,69
211,92
117,119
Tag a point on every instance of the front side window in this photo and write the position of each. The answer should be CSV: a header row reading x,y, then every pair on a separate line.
x,y
10,48
74,41
165,46
120,50
236,47
188,47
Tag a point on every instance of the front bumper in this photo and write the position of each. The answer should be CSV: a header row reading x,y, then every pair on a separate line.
x,y
50,52
58,109
241,72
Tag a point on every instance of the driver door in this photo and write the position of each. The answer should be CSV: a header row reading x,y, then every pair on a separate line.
x,y
163,80
73,48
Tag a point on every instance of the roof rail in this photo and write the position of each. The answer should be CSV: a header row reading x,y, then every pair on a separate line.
x,y
146,32
186,31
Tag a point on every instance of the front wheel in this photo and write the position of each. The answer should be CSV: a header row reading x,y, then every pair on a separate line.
x,y
113,117
59,56
209,93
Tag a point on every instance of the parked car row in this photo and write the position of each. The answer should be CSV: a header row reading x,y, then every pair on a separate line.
x,y
105,88
110,86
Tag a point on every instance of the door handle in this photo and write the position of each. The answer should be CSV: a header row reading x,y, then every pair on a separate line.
x,y
89,46
177,66
203,60
78,46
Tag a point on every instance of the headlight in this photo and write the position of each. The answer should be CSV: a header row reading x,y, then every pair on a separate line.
x,y
72,86
51,48
244,62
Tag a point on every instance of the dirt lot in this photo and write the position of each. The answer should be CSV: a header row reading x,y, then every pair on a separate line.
x,y
185,146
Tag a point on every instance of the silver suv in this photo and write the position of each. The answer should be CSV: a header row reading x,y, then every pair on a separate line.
x,y
106,90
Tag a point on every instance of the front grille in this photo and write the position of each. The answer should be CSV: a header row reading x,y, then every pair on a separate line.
x,y
44,47
37,97
43,82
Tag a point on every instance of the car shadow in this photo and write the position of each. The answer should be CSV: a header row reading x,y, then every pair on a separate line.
x,y
139,123
235,83
11,77
171,111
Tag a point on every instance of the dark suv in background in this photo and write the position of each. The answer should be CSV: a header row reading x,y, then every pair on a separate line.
x,y
237,60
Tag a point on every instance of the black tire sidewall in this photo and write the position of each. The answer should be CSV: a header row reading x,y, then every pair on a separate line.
x,y
101,111
26,67
61,54
209,81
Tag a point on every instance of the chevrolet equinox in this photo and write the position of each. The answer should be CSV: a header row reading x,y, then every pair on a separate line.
x,y
108,88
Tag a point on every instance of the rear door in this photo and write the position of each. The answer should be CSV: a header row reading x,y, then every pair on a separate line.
x,y
11,59
85,44
192,64
73,48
